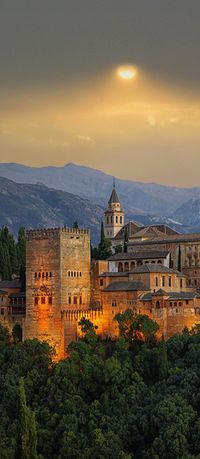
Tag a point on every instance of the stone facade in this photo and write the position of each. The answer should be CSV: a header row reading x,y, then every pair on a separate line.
x,y
57,281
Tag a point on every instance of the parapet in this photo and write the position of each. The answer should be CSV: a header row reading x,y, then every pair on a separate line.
x,y
46,233
75,230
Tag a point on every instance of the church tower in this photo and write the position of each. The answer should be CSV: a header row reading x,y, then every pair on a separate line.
x,y
114,215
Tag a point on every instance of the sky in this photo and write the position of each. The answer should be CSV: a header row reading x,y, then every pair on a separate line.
x,y
62,100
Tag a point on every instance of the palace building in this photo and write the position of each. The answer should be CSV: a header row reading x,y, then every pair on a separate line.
x,y
158,275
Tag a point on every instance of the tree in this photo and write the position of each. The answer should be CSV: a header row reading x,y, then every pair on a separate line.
x,y
104,250
133,327
17,333
5,265
125,239
21,250
27,426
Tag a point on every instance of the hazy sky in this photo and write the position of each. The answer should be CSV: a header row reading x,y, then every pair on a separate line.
x,y
61,100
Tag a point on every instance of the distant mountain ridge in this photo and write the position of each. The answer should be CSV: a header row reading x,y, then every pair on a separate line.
x,y
53,196
37,206
136,197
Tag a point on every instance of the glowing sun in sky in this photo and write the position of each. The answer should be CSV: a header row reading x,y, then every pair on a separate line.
x,y
126,72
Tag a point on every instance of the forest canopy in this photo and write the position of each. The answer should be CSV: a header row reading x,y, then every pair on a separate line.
x,y
131,398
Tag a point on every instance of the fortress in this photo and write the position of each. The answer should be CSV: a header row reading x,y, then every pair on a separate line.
x,y
158,274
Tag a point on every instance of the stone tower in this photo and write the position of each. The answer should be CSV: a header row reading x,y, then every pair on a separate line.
x,y
114,215
57,279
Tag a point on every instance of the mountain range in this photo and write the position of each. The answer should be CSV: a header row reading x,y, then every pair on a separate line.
x,y
51,196
37,206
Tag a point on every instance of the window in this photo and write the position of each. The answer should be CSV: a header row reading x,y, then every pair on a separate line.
x,y
50,274
170,304
46,274
43,274
121,220
71,273
2,311
195,282
68,273
111,219
69,299
163,281
114,303
80,300
80,274
116,219
39,274
74,273
101,282
107,220
75,299
36,300
181,283
43,300
35,275
156,281
190,282
180,304
50,299
187,301
170,281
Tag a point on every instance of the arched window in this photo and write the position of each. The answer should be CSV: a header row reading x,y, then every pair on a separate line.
x,y
116,219
132,265
126,266
120,267
121,220
157,304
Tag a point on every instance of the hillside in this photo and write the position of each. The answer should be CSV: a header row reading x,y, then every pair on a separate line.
x,y
36,206
136,197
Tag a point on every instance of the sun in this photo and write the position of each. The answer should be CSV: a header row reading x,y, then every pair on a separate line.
x,y
126,72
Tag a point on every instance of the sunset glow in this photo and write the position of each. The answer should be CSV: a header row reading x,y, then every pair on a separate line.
x,y
126,73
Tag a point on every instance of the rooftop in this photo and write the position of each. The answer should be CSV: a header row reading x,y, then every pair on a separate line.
x,y
14,283
154,268
138,255
125,286
170,295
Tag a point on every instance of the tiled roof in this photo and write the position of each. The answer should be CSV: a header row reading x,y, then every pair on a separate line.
x,y
115,274
138,255
154,268
14,283
113,198
125,286
171,295
177,238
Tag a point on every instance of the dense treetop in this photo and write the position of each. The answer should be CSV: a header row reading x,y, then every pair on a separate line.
x,y
12,254
131,398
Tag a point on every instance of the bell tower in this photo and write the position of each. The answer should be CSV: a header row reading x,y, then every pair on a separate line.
x,y
114,215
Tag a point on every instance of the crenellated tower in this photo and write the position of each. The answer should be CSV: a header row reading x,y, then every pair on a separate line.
x,y
114,215
57,280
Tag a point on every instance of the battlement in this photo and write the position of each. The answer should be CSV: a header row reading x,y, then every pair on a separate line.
x,y
75,230
46,233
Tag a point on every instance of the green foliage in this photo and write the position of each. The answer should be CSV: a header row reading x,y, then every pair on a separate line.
x,y
127,399
125,239
136,327
12,255
103,251
27,427
17,333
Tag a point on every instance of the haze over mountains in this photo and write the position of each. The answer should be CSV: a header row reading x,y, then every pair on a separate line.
x,y
81,193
